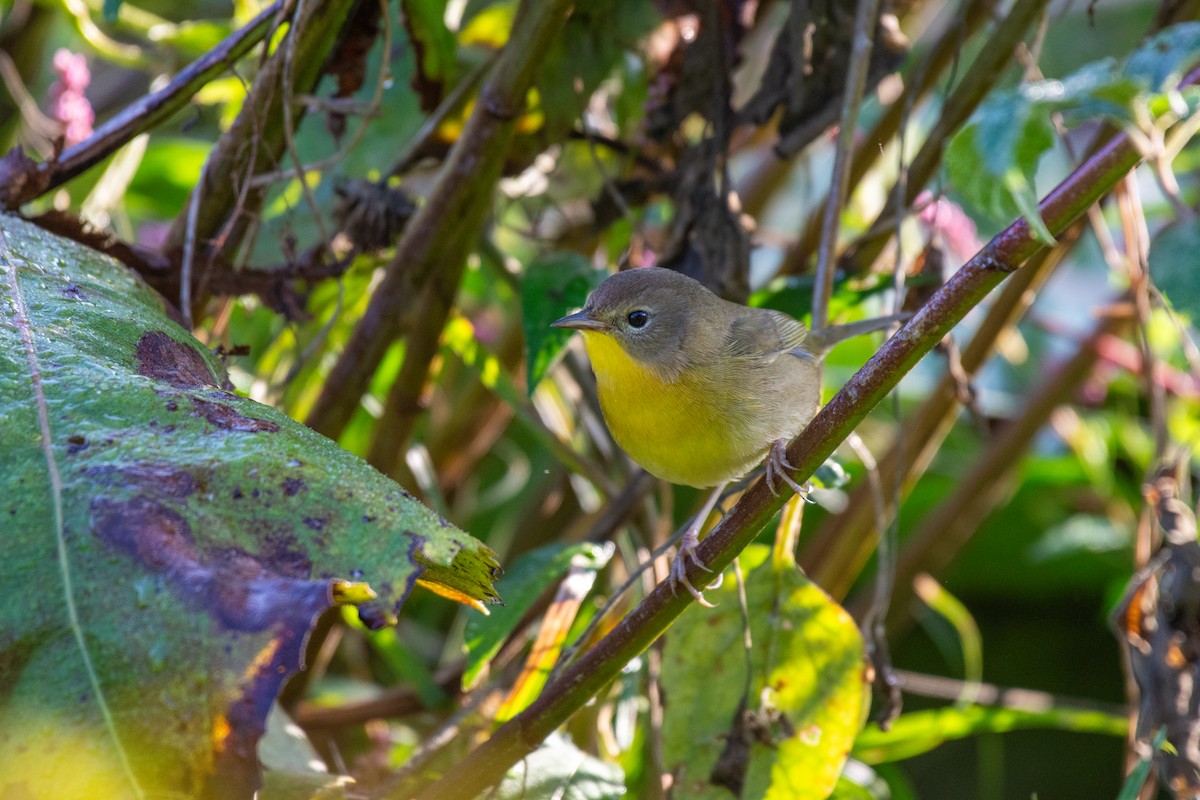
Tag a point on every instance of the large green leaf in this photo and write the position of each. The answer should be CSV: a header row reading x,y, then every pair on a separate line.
x,y
166,544
805,696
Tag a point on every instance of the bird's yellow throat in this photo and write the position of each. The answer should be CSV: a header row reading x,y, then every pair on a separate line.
x,y
670,427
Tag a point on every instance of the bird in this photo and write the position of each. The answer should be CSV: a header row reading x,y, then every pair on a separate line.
x,y
699,390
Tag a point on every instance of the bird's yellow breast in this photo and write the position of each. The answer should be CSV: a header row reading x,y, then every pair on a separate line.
x,y
690,430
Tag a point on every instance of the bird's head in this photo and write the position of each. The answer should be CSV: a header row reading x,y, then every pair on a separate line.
x,y
650,312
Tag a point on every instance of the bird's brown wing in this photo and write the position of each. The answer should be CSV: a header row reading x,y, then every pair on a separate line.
x,y
762,334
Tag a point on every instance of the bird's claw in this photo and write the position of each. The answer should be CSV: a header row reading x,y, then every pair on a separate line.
x,y
777,468
687,552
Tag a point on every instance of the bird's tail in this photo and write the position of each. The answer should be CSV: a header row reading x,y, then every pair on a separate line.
x,y
821,341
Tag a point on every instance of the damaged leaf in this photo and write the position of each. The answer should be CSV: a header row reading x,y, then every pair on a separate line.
x,y
778,722
167,544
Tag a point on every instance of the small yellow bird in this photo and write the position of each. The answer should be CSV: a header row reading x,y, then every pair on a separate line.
x,y
699,390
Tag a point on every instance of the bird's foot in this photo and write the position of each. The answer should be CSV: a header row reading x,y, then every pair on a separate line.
x,y
777,468
687,552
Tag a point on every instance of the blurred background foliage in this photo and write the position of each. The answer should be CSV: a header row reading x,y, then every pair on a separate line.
x,y
673,133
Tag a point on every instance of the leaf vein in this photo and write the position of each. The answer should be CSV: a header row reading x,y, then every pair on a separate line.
x,y
24,327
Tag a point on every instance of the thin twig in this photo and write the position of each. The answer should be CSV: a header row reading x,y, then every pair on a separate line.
x,y
874,632
189,250
147,112
1137,251
368,112
1164,153
942,55
42,128
231,206
989,694
882,592
865,21
127,55
299,21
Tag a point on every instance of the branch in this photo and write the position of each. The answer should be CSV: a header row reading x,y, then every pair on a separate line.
x,y
865,21
148,111
842,545
433,249
650,619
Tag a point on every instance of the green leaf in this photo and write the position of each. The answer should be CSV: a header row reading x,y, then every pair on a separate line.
x,y
1132,788
558,770
433,41
523,584
967,641
1160,63
1086,533
406,666
591,46
921,731
860,782
111,7
1173,254
292,768
993,160
552,286
805,687
1025,198
167,543
192,38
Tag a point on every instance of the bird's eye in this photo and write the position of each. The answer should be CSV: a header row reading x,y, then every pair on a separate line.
x,y
638,319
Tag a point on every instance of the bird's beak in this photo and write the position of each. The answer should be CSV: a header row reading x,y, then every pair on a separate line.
x,y
580,321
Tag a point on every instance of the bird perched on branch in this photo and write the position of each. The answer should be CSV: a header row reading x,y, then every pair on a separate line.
x,y
699,390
